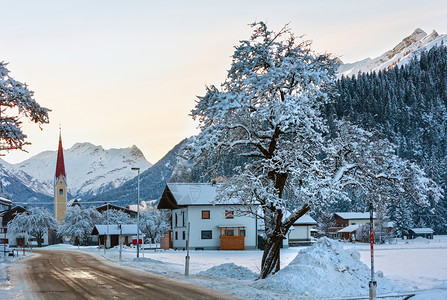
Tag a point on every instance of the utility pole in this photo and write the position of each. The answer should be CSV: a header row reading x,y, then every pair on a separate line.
x,y
138,212
121,244
107,236
187,254
372,283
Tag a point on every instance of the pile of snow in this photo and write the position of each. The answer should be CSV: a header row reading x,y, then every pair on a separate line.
x,y
230,270
325,270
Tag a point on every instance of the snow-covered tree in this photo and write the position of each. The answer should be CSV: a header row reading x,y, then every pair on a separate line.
x,y
78,223
325,222
16,101
35,221
402,218
153,224
113,216
268,109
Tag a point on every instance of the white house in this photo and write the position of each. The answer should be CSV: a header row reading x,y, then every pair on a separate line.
x,y
127,232
300,231
212,225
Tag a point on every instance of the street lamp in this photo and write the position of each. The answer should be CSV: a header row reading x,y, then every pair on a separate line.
x,y
138,212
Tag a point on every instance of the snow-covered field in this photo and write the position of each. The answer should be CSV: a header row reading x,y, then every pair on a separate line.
x,y
327,271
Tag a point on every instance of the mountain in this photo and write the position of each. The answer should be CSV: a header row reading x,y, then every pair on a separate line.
x,y
90,169
13,188
409,48
152,182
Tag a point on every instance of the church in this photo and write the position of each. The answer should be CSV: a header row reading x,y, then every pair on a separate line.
x,y
60,184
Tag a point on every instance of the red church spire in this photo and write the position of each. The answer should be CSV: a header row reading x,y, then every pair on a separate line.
x,y
60,166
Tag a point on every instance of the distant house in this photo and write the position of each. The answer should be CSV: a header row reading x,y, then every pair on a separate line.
x,y
421,232
212,225
127,233
348,233
107,206
73,202
20,239
301,230
347,224
344,219
5,203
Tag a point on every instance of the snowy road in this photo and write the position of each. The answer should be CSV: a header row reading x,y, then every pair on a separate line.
x,y
56,274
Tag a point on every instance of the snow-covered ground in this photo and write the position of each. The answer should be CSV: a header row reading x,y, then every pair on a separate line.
x,y
419,266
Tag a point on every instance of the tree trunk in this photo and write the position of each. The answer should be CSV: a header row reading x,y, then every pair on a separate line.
x,y
39,237
271,256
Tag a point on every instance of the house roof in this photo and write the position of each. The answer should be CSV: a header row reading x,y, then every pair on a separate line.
x,y
305,220
422,230
113,229
349,229
354,215
4,201
10,214
188,194
108,206
73,202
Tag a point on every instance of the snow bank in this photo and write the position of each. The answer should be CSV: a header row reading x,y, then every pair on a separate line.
x,y
325,270
230,270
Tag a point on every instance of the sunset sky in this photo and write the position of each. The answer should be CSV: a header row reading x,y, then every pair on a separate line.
x,y
119,73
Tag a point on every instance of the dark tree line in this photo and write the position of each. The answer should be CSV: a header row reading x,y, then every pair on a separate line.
x,y
408,105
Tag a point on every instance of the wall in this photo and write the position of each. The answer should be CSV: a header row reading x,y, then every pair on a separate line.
x,y
193,214
300,233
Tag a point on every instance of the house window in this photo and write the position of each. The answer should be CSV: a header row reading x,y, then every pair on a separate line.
x,y
183,218
241,232
175,219
205,214
176,235
229,214
61,192
229,232
352,223
183,235
207,234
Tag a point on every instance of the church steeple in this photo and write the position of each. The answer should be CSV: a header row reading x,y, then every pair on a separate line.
x,y
60,165
60,184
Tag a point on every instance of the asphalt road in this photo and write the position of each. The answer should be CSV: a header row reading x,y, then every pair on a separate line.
x,y
57,274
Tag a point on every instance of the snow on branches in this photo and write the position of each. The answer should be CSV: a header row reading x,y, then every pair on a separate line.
x,y
153,224
78,223
16,101
35,221
269,110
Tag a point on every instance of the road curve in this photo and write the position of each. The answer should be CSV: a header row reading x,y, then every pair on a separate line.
x,y
57,274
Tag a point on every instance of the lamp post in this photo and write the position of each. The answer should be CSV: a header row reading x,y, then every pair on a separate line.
x,y
120,240
138,212
372,282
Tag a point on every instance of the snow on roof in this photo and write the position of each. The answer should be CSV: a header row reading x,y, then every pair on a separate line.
x,y
422,230
349,229
305,220
4,201
113,229
194,193
354,215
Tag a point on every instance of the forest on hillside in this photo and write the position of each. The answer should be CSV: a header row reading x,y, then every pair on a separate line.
x,y
407,105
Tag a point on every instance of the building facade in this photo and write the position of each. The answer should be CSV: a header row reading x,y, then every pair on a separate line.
x,y
212,225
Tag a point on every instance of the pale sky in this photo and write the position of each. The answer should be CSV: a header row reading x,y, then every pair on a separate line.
x,y
123,73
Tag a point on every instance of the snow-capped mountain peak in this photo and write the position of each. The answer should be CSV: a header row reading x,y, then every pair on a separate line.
x,y
402,53
90,169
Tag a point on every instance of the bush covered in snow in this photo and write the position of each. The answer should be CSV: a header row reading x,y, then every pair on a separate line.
x,y
230,270
325,270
